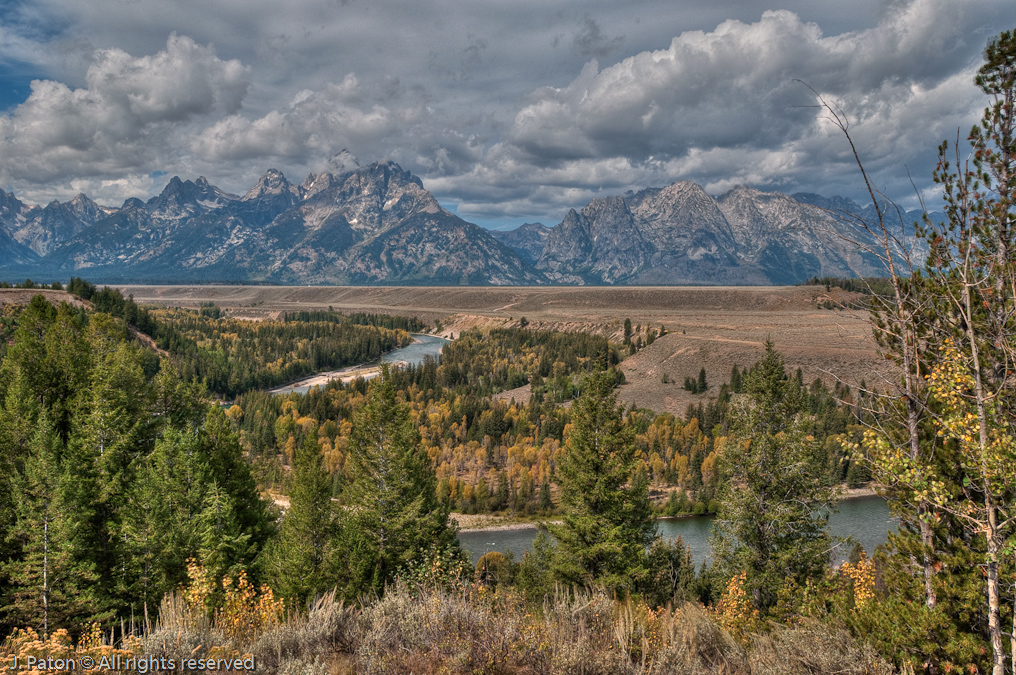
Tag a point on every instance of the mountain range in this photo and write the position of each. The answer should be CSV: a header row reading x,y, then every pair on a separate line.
x,y
378,225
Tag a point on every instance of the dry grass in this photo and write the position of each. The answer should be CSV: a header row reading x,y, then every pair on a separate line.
x,y
471,629
475,630
813,647
309,643
467,630
314,642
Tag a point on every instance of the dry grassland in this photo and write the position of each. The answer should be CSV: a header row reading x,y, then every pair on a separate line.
x,y
22,296
711,327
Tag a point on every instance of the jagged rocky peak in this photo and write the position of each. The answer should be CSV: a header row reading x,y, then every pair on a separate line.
x,y
568,246
272,183
87,210
10,207
745,210
386,176
739,202
741,197
342,163
132,203
376,197
315,183
337,167
743,204
184,199
682,206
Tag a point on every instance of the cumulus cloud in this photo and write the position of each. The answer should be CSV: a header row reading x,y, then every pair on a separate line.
x,y
735,86
345,117
511,110
123,118
315,124
724,107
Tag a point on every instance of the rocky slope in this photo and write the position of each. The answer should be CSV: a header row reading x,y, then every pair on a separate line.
x,y
527,240
13,216
372,225
681,235
378,225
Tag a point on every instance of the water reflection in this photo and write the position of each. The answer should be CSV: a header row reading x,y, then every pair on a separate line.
x,y
866,519
413,353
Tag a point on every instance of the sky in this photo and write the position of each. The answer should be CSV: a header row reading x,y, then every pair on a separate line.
x,y
510,112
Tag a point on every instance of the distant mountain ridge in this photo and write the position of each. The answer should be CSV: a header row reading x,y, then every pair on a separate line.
x,y
681,235
371,225
378,225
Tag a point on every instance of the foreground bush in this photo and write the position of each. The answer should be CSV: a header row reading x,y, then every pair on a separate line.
x,y
475,630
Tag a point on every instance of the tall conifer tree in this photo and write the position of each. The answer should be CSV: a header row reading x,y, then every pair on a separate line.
x,y
49,587
771,523
300,561
394,515
607,518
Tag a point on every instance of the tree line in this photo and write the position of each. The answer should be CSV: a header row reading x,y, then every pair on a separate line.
x,y
120,486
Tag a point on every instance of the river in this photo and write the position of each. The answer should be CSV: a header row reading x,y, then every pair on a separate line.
x,y
866,519
413,353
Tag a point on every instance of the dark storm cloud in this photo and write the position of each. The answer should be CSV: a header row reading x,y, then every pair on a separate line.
x,y
511,110
590,42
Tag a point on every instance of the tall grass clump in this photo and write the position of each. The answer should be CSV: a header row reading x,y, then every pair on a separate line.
x,y
464,629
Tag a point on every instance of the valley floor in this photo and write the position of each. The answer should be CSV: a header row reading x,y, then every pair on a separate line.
x,y
715,327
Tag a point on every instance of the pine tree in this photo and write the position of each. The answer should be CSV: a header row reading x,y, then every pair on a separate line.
x,y
972,269
225,547
28,353
49,587
113,431
546,504
952,322
158,522
772,516
228,468
299,562
394,516
607,519
735,379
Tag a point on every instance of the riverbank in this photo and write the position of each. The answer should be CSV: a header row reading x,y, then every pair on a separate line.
x,y
345,374
488,522
422,345
856,493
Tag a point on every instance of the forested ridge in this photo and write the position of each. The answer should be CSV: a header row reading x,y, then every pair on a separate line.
x,y
124,482
231,356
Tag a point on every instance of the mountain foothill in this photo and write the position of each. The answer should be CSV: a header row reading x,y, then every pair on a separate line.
x,y
377,225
